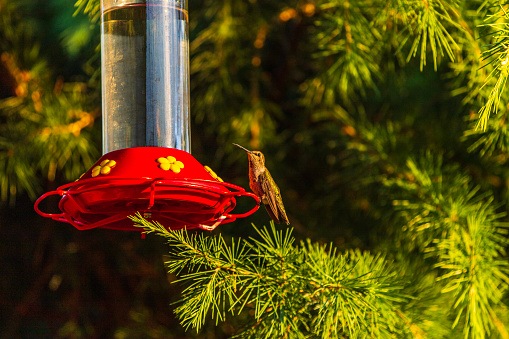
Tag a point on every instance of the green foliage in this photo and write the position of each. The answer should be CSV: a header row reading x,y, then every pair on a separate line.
x,y
44,126
496,55
90,7
399,167
461,231
293,291
430,23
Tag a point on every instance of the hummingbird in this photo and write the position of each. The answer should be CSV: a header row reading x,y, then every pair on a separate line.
x,y
262,184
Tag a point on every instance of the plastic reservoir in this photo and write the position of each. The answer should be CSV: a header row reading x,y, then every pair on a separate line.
x,y
145,74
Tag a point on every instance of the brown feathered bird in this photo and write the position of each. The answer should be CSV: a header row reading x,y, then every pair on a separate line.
x,y
265,187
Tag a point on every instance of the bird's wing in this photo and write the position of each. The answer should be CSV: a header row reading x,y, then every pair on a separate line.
x,y
274,199
271,214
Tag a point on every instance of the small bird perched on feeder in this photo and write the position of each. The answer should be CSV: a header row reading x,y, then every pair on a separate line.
x,y
265,187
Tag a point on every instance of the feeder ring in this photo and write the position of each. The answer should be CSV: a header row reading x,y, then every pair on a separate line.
x,y
179,203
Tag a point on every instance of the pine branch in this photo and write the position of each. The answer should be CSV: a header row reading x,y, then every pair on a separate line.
x,y
461,229
292,291
45,124
497,57
349,45
425,25
90,7
467,74
493,141
445,219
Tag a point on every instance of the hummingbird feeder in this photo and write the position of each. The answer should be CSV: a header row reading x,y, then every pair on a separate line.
x,y
146,166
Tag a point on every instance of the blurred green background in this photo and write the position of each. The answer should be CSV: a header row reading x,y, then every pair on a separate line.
x,y
324,89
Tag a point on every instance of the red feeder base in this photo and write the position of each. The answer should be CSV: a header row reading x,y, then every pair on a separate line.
x,y
163,184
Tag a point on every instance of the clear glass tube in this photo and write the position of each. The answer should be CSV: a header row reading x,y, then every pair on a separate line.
x,y
145,74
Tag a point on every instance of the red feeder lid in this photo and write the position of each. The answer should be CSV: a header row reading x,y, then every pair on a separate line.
x,y
163,184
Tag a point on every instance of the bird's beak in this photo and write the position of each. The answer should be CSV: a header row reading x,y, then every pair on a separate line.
x,y
248,151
